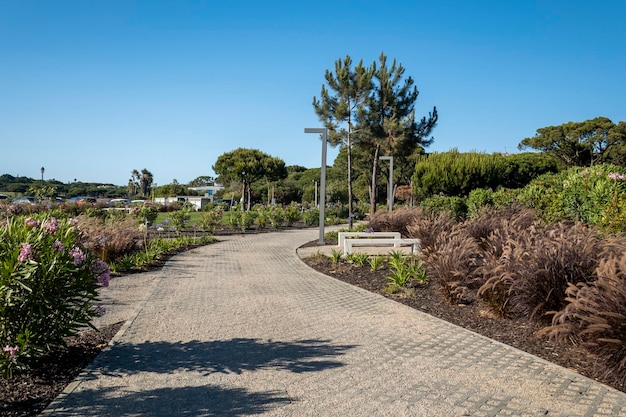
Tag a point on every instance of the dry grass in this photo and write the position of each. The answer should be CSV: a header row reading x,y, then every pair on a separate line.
x,y
111,238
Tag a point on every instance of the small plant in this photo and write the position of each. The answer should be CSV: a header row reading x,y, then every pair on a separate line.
x,y
357,258
277,217
311,217
376,262
262,217
211,219
180,218
247,220
292,214
233,218
404,271
335,255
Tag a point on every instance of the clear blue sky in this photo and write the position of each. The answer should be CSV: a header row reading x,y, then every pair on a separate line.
x,y
94,89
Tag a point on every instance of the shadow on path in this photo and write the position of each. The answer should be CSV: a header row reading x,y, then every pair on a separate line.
x,y
221,356
225,356
187,401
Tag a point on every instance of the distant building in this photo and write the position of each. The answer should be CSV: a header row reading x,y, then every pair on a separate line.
x,y
198,202
209,190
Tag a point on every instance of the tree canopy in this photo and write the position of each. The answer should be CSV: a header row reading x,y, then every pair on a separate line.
x,y
245,166
587,143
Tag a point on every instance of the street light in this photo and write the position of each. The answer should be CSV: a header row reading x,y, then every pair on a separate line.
x,y
324,132
390,186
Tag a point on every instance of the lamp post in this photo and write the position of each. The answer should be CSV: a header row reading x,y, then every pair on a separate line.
x,y
324,132
390,185
42,171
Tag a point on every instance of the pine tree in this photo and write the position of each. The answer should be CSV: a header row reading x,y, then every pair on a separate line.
x,y
390,119
342,104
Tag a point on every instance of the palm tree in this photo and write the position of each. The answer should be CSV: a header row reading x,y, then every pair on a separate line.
x,y
145,182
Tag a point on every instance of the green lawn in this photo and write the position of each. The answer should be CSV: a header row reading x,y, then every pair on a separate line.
x,y
194,217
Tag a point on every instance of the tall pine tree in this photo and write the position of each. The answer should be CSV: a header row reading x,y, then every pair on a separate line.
x,y
342,104
391,125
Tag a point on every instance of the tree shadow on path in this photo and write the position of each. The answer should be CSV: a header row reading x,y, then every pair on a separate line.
x,y
233,356
204,401
225,356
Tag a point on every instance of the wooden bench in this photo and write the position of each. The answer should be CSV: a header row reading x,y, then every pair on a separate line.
x,y
349,244
341,237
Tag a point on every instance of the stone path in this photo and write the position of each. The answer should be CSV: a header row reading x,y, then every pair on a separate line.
x,y
243,327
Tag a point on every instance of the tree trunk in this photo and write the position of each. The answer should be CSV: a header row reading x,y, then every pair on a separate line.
x,y
349,177
373,184
242,201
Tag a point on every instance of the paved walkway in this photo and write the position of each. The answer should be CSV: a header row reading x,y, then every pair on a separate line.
x,y
243,327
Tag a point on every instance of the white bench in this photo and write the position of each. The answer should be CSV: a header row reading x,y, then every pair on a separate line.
x,y
341,237
349,244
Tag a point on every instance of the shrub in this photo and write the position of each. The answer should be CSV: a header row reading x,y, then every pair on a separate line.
x,y
292,214
477,200
428,226
456,206
396,221
48,287
452,259
311,217
247,219
262,217
277,217
147,213
210,219
596,314
180,218
110,238
535,267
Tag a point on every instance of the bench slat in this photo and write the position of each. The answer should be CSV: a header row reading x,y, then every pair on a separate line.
x,y
396,242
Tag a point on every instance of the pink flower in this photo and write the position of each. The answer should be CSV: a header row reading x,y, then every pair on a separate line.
x,y
73,221
616,176
51,226
58,245
12,351
103,271
26,252
30,222
79,256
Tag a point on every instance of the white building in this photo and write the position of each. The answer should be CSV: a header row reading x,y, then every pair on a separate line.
x,y
209,190
198,202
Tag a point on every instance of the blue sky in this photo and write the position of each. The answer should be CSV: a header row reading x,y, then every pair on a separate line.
x,y
91,90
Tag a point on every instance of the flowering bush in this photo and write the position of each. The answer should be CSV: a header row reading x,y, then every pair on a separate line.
x,y
48,287
594,196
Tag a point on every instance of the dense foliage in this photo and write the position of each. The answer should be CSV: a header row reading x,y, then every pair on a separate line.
x,y
456,174
48,286
587,143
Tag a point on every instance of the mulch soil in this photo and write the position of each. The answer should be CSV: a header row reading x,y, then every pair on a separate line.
x,y
28,395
